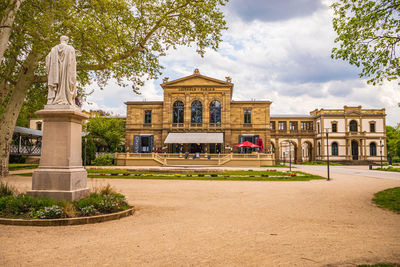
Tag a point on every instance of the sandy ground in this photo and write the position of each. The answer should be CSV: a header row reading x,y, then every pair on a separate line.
x,y
222,223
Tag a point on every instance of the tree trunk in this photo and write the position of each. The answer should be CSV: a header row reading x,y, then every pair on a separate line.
x,y
6,23
10,115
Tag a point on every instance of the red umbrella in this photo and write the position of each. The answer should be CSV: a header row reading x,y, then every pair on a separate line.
x,y
246,144
260,143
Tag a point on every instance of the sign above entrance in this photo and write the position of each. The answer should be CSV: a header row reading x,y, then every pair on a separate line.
x,y
196,89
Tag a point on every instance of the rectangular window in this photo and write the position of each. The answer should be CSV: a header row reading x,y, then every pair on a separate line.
x,y
306,125
318,130
372,127
334,128
273,127
147,116
247,116
282,126
293,125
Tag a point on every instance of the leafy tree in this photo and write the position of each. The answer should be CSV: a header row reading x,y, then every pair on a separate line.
x,y
369,37
107,133
393,141
90,150
121,39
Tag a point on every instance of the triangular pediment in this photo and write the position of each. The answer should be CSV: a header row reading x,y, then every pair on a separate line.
x,y
196,80
353,113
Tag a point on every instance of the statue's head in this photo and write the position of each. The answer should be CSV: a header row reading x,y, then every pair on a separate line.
x,y
64,39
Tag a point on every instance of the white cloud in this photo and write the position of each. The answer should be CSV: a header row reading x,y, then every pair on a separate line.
x,y
285,61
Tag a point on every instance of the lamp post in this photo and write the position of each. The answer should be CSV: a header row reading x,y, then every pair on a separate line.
x,y
380,145
327,153
290,157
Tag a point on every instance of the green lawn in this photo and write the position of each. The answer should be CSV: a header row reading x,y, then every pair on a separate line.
x,y
388,199
21,166
271,175
380,265
388,169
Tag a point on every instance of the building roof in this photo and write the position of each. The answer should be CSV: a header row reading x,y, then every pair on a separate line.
x,y
27,131
291,116
189,138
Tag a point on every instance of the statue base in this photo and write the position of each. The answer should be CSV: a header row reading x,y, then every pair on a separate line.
x,y
60,174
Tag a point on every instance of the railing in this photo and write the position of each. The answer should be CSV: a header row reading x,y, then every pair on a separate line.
x,y
196,124
34,150
178,125
215,125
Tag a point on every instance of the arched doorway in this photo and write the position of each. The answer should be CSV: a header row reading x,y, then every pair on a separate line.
x,y
354,149
307,151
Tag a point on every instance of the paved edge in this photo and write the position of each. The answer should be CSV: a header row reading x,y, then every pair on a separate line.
x,y
69,221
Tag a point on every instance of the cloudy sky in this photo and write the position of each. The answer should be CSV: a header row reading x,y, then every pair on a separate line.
x,y
273,50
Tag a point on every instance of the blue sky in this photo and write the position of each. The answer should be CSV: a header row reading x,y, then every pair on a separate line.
x,y
273,50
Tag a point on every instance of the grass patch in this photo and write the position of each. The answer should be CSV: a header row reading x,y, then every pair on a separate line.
x,y
22,206
271,175
277,166
388,199
321,163
21,166
380,265
388,169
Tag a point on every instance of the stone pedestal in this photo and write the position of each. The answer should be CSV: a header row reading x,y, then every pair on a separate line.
x,y
60,174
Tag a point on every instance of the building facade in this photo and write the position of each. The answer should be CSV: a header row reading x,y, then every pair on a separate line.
x,y
198,115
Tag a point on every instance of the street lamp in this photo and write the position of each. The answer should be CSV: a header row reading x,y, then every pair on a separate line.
x,y
327,151
290,157
380,144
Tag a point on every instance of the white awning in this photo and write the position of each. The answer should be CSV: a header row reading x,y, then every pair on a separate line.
x,y
192,138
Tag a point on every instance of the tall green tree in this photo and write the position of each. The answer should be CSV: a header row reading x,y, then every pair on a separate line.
x,y
369,37
121,39
393,141
106,132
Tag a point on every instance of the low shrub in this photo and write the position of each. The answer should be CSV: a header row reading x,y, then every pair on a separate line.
x,y
104,200
53,212
103,160
6,189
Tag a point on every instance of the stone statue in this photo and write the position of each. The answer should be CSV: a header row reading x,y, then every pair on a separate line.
x,y
61,69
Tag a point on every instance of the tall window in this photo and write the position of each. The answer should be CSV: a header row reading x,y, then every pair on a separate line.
x,y
306,125
282,126
335,151
177,112
147,116
372,127
353,126
197,112
293,125
272,124
215,112
247,116
372,149
318,129
334,127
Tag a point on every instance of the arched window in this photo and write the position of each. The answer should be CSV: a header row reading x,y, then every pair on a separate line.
x,y
335,151
197,112
372,149
177,112
353,126
215,112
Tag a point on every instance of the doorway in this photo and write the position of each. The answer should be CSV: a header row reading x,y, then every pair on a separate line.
x,y
354,149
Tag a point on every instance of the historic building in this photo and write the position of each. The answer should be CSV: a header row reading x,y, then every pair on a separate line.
x,y
199,115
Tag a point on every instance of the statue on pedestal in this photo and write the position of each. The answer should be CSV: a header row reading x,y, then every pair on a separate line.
x,y
61,68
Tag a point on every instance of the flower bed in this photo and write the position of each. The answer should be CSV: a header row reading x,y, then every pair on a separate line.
x,y
22,206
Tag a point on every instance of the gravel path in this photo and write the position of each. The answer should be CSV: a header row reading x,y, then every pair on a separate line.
x,y
221,223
